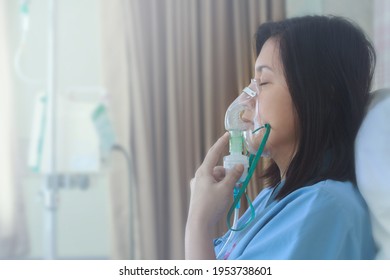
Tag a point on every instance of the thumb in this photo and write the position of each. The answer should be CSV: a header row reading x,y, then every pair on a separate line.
x,y
233,175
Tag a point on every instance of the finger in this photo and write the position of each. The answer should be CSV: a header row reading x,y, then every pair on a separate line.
x,y
219,173
232,176
214,154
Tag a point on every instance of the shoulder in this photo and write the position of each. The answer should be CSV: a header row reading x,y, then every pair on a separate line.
x,y
326,220
328,197
330,190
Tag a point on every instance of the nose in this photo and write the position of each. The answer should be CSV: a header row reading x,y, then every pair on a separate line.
x,y
247,115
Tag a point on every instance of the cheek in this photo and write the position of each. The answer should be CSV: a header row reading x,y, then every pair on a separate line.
x,y
278,111
276,108
268,110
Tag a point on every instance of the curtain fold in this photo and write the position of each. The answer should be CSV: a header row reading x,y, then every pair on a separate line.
x,y
172,67
13,225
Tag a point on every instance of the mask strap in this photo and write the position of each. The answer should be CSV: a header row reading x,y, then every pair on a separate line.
x,y
237,197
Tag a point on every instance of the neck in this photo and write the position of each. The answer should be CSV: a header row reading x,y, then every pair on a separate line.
x,y
283,160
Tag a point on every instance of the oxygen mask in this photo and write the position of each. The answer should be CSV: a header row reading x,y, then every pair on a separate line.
x,y
242,122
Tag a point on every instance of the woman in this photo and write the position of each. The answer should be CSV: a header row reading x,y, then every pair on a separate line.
x,y
314,75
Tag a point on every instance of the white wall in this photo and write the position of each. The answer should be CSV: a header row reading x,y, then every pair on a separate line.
x,y
83,215
359,11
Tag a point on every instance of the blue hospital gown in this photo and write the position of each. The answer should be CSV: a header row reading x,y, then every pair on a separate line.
x,y
328,220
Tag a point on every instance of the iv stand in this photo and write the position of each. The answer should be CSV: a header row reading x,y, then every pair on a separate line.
x,y
50,186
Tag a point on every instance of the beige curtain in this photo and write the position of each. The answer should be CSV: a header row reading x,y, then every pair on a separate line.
x,y
13,233
172,68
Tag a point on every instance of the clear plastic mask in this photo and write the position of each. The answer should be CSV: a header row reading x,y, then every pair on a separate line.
x,y
243,115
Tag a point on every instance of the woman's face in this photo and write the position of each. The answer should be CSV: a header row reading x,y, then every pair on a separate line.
x,y
275,106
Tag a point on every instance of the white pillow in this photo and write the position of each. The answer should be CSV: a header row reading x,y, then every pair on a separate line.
x,y
372,159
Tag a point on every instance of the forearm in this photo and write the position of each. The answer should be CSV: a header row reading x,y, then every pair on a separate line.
x,y
198,242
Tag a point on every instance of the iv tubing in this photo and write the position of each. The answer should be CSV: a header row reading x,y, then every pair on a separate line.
x,y
50,190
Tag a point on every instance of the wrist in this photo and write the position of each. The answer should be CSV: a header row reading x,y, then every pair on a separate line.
x,y
200,223
198,240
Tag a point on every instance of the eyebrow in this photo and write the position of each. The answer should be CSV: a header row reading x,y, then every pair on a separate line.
x,y
261,67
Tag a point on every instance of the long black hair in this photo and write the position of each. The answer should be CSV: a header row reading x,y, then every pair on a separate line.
x,y
328,64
